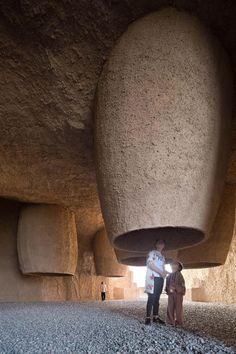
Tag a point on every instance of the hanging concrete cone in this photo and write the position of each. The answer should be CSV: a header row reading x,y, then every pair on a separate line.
x,y
171,256
47,240
214,251
106,263
163,117
139,259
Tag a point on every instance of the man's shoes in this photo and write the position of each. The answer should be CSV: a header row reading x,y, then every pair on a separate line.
x,y
158,320
147,321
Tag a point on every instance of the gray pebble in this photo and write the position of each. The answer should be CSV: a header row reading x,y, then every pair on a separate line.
x,y
114,327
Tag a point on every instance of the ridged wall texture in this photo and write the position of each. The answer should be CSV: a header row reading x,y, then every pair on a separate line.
x,y
163,118
214,284
214,251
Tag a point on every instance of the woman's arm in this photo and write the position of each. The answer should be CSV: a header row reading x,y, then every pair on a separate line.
x,y
151,265
167,288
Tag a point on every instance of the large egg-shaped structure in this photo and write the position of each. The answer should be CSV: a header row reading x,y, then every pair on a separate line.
x,y
163,117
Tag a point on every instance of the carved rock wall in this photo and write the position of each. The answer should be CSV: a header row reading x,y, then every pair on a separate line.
x,y
214,251
52,54
214,284
14,286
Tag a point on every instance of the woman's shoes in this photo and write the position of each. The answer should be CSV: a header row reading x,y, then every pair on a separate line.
x,y
158,320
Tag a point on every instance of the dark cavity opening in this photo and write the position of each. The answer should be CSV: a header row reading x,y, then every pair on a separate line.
x,y
144,239
201,265
111,275
48,274
134,261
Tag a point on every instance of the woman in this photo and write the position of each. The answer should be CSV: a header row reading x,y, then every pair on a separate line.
x,y
154,281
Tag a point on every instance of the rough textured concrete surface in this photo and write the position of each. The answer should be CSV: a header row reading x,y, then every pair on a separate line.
x,y
214,284
140,258
131,258
163,113
14,286
105,258
214,251
52,54
47,240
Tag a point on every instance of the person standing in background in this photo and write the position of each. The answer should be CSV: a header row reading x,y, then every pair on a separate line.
x,y
155,276
103,291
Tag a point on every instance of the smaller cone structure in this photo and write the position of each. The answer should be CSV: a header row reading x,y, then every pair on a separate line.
x,y
171,255
214,251
105,258
138,259
47,240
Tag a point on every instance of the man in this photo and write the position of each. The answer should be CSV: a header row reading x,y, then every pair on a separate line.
x,y
175,289
103,291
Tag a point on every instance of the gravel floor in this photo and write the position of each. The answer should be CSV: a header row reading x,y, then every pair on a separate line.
x,y
113,327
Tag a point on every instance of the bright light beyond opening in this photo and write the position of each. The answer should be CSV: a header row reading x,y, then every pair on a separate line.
x,y
140,273
168,268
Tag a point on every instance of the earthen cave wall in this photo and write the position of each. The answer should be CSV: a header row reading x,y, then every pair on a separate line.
x,y
14,286
214,284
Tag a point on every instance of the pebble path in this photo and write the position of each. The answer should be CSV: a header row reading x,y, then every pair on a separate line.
x,y
113,327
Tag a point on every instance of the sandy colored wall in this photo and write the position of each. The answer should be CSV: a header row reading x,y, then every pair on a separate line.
x,y
46,153
14,286
214,284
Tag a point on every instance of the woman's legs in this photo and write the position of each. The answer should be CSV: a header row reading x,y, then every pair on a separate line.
x,y
153,299
149,305
158,286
